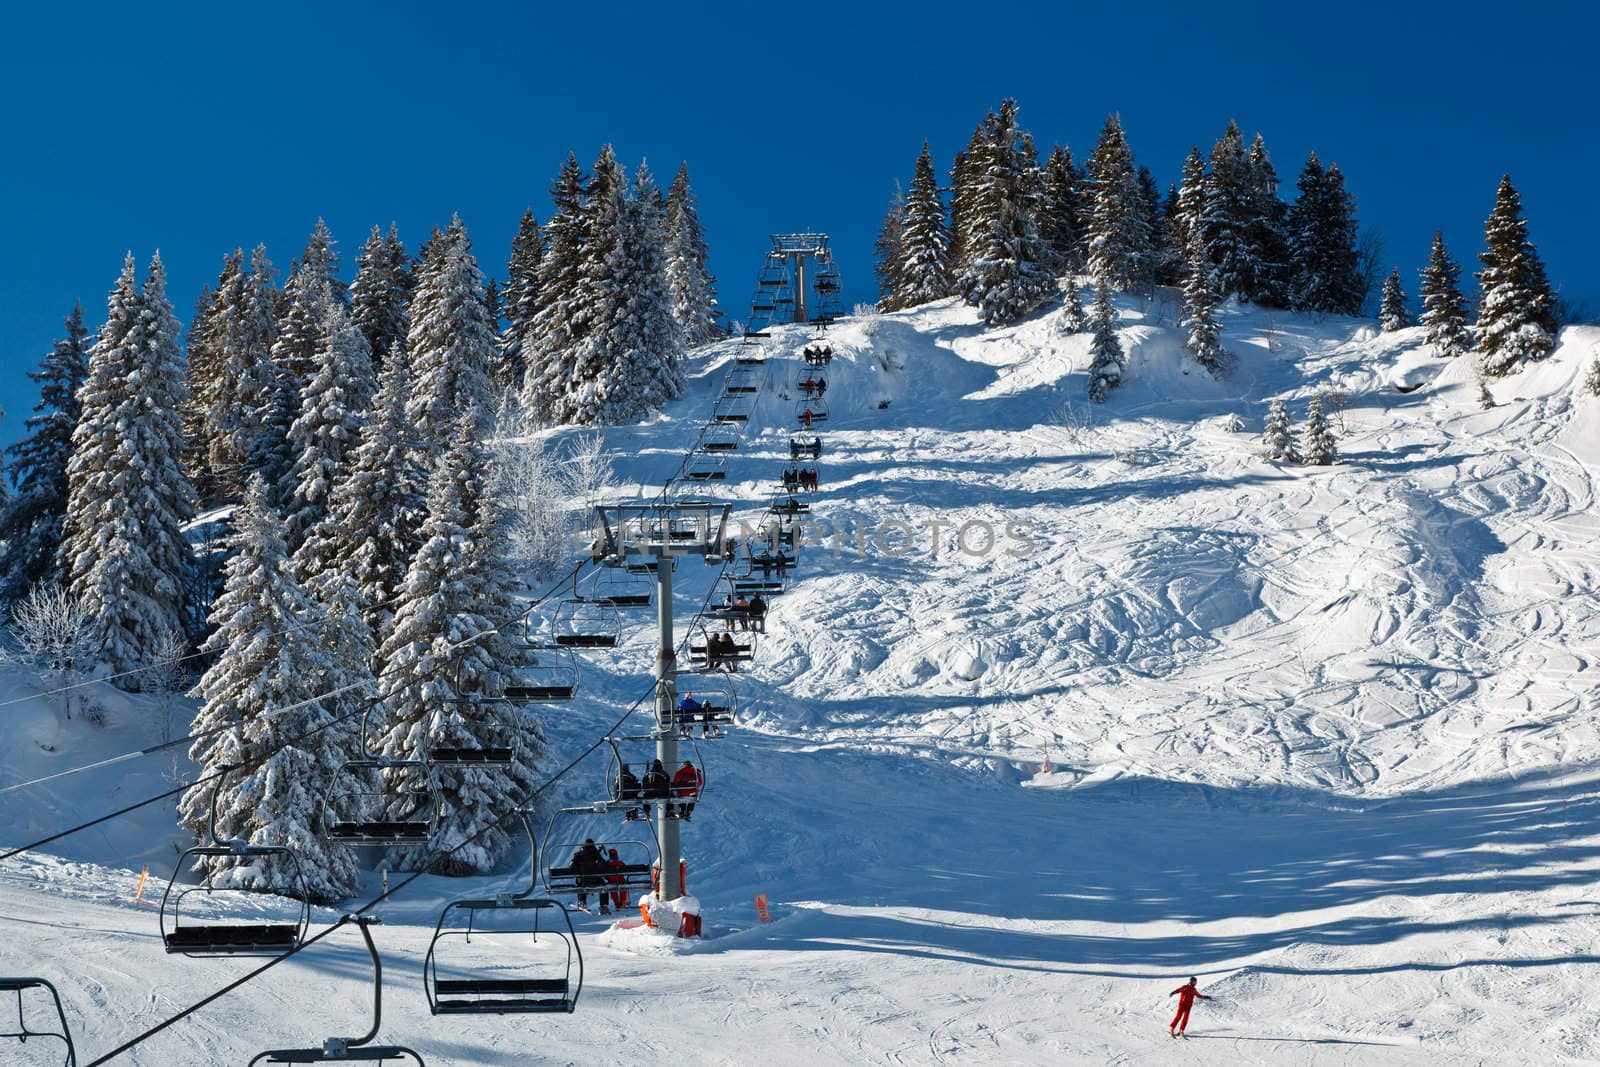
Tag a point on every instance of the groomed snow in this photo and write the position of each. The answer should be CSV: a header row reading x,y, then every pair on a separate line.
x,y
1324,738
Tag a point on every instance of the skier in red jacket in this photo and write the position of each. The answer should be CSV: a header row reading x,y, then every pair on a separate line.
x,y
619,896
686,786
1187,995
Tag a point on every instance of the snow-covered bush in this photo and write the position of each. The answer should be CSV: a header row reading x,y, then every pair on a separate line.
x,y
55,635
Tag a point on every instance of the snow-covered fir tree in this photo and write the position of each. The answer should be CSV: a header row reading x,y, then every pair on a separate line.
x,y
925,243
1185,219
1516,311
1200,297
1061,213
244,404
521,299
332,408
1444,309
1392,312
1118,227
1277,436
30,522
694,294
1324,268
314,280
1267,233
1591,377
966,188
1073,319
888,252
202,368
450,341
270,658
628,360
1105,350
453,599
371,529
550,346
1317,447
123,550
1006,275
380,292
1227,206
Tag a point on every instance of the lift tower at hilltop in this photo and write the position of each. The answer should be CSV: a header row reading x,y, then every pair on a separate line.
x,y
798,283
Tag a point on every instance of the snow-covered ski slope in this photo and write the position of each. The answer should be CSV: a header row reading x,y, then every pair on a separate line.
x,y
1323,737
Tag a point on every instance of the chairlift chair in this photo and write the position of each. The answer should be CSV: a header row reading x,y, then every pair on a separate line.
x,y
586,624
617,800
352,1049
463,691
210,935
817,407
731,409
743,651
619,588
715,699
752,359
24,1033
718,437
701,467
548,673
510,954
375,800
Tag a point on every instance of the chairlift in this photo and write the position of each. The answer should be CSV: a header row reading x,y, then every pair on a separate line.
x,y
586,624
638,799
619,588
510,954
818,354
736,649
705,700
731,409
718,438
193,924
376,800
752,359
741,382
701,467
811,410
352,1049
25,1033
548,672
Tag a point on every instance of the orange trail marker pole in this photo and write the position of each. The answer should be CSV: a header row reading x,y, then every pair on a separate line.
x,y
138,894
762,911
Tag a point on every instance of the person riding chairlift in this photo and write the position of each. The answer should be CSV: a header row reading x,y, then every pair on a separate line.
x,y
686,787
619,897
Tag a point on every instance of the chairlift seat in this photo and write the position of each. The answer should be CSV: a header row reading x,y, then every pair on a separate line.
x,y
587,640
510,996
480,756
624,600
539,693
379,833
232,938
357,1054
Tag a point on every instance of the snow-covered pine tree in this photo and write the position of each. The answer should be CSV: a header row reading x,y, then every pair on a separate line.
x,y
551,344
370,532
1444,309
1516,311
444,629
521,300
315,278
1278,435
694,294
925,245
1591,378
332,409
1200,297
628,361
1325,275
30,523
888,252
1191,202
1158,265
1118,230
1105,350
1006,276
1317,447
243,411
269,658
450,342
1227,207
966,191
380,292
1061,215
1072,316
1267,233
202,366
123,548
1392,313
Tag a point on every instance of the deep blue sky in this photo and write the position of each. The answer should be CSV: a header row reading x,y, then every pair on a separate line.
x,y
196,128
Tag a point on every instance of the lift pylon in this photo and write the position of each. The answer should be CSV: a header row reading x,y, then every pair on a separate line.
x,y
799,282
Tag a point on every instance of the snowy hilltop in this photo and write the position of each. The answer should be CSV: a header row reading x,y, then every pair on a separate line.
x,y
1066,702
